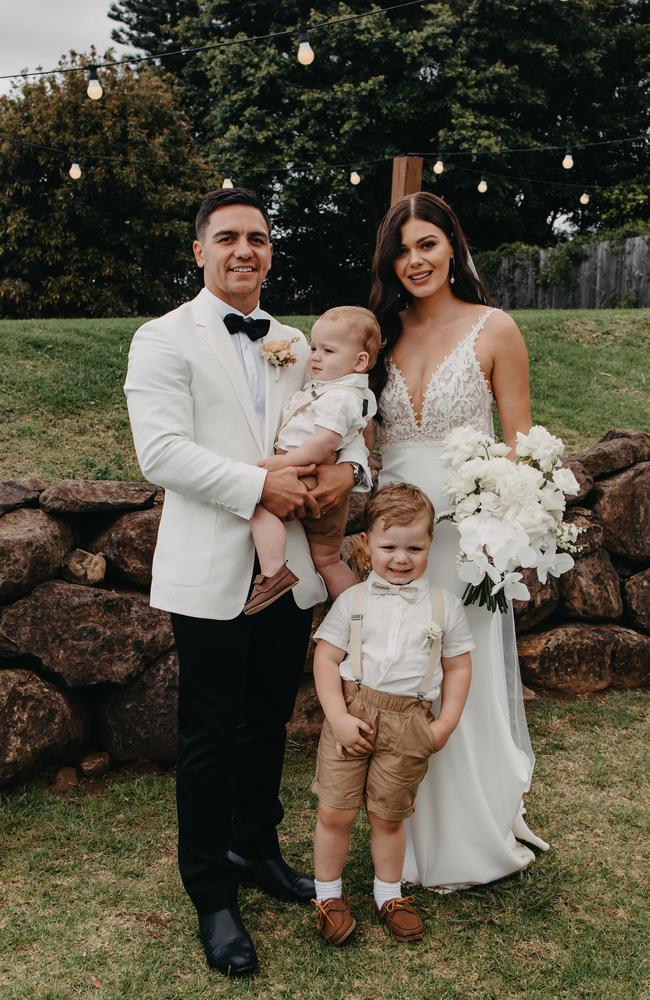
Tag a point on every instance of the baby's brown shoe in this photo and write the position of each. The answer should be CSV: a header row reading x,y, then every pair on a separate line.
x,y
334,920
267,589
402,919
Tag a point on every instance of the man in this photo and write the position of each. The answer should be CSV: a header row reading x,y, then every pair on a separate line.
x,y
204,408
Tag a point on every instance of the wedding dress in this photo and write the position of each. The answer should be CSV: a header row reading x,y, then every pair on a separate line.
x,y
468,810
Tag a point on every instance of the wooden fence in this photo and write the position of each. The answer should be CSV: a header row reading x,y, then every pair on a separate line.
x,y
596,276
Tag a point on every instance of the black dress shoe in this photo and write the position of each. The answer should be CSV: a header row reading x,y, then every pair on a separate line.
x,y
227,944
275,877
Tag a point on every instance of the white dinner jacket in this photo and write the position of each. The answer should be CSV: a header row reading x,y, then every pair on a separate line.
x,y
196,434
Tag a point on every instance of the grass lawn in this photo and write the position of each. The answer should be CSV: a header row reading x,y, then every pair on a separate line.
x,y
90,903
63,412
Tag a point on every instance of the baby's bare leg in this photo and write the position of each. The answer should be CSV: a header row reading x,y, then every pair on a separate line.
x,y
337,575
270,540
387,847
332,841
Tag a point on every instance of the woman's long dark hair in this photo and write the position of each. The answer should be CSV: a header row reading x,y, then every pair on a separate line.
x,y
388,297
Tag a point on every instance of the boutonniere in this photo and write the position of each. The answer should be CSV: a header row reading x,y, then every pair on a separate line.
x,y
430,634
278,353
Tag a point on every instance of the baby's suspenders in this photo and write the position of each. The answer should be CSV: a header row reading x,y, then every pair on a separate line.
x,y
358,605
311,394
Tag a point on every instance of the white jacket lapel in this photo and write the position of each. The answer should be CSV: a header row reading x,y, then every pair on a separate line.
x,y
213,331
276,388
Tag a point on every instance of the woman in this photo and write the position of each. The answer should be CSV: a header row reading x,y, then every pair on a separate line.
x,y
446,359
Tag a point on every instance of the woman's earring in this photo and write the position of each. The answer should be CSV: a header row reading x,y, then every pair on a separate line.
x,y
452,270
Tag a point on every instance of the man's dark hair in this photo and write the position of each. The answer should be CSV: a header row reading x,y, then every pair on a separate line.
x,y
231,196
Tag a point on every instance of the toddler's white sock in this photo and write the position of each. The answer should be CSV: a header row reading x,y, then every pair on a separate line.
x,y
328,890
386,890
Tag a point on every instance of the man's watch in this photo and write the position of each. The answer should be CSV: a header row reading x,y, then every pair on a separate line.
x,y
358,472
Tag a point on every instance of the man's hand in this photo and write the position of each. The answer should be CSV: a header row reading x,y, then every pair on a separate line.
x,y
349,739
286,497
334,484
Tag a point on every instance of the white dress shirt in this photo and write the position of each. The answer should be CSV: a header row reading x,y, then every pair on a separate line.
x,y
250,356
394,654
338,410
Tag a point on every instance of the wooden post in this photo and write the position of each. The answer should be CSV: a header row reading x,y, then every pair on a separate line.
x,y
407,177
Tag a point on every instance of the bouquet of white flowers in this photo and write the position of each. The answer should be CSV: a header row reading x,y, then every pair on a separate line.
x,y
509,514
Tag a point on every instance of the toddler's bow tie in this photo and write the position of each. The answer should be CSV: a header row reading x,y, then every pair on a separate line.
x,y
254,329
381,589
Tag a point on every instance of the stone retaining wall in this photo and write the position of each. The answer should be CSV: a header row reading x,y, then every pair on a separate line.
x,y
88,672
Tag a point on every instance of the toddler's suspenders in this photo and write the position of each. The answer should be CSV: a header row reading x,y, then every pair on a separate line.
x,y
357,606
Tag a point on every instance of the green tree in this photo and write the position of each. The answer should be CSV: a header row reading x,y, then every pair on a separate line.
x,y
117,240
450,75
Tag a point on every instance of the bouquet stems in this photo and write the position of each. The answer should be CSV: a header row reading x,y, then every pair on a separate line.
x,y
482,595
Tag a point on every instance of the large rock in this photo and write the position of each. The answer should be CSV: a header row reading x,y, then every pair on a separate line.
x,y
139,721
544,599
32,548
585,481
79,496
19,493
637,600
87,636
307,719
622,505
592,590
128,546
37,723
630,660
591,534
615,451
580,659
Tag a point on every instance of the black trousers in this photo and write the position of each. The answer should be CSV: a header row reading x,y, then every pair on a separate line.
x,y
237,688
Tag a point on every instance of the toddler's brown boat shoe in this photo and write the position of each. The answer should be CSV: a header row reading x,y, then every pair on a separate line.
x,y
334,920
267,589
402,919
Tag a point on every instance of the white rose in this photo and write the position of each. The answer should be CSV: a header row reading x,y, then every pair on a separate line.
x,y
540,446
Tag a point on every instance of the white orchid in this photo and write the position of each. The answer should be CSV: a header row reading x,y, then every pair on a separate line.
x,y
565,480
512,587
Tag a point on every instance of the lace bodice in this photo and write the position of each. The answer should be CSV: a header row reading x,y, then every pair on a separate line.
x,y
457,394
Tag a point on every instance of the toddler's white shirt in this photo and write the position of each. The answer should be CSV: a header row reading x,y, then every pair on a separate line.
x,y
394,656
337,409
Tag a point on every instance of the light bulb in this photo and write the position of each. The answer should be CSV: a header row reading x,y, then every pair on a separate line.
x,y
584,198
305,51
94,90
355,177
438,166
227,183
482,185
567,162
75,171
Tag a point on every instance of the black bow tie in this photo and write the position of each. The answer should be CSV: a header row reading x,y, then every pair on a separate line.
x,y
254,329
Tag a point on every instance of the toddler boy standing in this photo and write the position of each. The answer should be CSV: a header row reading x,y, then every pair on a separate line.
x,y
388,649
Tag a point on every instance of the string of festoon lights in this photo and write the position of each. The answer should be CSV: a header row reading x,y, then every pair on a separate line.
x,y
357,169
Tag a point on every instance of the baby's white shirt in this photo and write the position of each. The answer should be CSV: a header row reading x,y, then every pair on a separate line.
x,y
337,409
394,654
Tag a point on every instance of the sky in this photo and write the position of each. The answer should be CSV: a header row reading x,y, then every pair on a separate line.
x,y
37,33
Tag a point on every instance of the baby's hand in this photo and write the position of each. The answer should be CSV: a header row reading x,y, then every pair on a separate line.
x,y
272,464
349,739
